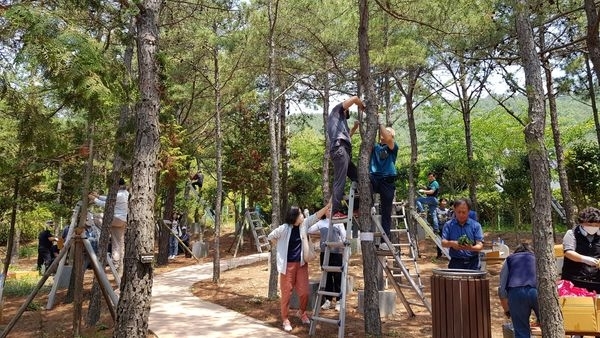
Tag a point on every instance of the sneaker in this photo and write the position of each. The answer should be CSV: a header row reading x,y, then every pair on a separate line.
x,y
287,327
304,318
337,306
384,246
339,215
326,305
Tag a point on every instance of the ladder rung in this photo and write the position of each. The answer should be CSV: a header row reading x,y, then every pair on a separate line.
x,y
340,220
417,304
262,236
385,253
329,293
408,286
399,231
332,268
326,320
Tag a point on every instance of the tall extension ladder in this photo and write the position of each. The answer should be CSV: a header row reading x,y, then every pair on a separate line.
x,y
340,319
559,209
259,231
430,233
398,271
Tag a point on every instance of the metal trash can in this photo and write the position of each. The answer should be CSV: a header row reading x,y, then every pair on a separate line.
x,y
460,304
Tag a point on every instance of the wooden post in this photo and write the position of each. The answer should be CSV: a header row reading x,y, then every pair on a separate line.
x,y
78,291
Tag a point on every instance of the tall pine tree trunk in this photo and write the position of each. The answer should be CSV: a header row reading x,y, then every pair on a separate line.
x,y
119,162
325,164
370,264
219,162
466,115
567,204
592,36
285,155
408,93
136,288
543,241
274,144
592,91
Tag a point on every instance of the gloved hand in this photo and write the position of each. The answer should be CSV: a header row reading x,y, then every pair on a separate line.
x,y
591,261
421,190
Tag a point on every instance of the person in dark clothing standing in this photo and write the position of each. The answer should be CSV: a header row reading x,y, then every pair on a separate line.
x,y
45,243
382,174
518,289
581,246
340,151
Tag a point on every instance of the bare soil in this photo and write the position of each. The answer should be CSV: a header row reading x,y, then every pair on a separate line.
x,y
243,290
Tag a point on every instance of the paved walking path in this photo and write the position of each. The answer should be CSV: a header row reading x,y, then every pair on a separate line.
x,y
176,312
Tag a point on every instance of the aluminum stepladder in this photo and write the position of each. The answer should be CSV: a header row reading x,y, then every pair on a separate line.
x,y
560,211
340,319
429,231
397,272
259,231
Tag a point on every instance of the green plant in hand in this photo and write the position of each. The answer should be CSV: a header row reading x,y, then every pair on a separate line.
x,y
464,240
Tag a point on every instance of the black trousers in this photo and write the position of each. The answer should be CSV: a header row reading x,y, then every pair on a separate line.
x,y
334,279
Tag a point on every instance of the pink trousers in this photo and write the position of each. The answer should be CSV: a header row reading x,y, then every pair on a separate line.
x,y
296,277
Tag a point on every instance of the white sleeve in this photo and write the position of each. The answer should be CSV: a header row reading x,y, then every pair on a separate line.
x,y
569,241
99,201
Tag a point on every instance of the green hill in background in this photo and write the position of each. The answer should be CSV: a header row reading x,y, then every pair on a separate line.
x,y
575,117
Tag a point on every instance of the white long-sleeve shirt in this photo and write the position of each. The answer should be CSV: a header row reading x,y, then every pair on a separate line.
x,y
121,204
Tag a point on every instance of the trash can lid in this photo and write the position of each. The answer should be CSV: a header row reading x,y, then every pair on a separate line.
x,y
459,273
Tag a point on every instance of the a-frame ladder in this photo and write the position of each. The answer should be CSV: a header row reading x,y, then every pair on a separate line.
x,y
259,231
398,273
340,318
429,231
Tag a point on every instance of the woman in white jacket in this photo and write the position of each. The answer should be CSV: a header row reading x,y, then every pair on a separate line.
x,y
119,223
293,270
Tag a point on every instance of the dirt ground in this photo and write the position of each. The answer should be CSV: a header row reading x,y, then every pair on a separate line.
x,y
244,290
38,322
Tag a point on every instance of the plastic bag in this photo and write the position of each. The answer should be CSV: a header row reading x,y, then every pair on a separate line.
x,y
566,288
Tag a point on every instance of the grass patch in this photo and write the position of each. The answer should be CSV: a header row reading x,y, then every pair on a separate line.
x,y
21,287
34,306
28,251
